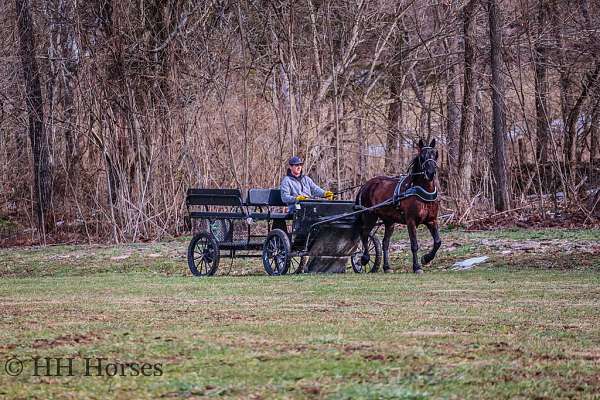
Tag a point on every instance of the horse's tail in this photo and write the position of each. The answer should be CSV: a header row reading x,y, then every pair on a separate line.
x,y
357,200
366,189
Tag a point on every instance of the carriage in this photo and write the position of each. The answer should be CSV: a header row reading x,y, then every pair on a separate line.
x,y
327,232
319,236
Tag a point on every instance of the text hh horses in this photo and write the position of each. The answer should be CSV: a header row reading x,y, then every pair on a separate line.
x,y
412,201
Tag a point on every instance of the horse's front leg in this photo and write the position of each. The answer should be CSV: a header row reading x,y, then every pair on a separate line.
x,y
414,245
437,242
389,231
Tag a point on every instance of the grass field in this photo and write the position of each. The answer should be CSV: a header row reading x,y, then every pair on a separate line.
x,y
526,324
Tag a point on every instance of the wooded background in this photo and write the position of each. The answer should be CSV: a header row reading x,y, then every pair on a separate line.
x,y
110,110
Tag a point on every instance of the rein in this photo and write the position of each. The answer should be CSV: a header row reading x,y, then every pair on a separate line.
x,y
347,189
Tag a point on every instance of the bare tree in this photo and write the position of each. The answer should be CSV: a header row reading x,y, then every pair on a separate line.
x,y
541,86
594,131
40,145
452,113
465,160
394,131
501,198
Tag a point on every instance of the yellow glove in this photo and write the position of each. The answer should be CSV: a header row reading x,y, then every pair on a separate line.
x,y
328,195
302,197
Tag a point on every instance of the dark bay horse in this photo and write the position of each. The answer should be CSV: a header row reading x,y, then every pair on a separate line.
x,y
411,211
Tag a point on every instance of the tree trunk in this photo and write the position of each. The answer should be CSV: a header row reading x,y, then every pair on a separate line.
x,y
465,161
501,198
595,139
157,31
453,116
585,12
65,65
570,124
594,131
541,90
361,145
393,137
591,79
424,130
42,169
567,92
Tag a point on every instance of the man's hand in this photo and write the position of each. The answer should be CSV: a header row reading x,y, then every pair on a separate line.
x,y
302,197
328,195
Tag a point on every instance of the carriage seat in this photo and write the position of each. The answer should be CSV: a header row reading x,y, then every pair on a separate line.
x,y
264,197
267,198
214,197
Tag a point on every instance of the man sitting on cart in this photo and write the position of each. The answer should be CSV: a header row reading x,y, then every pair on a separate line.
x,y
296,186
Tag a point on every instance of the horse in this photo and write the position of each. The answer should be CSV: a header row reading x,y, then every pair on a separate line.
x,y
411,211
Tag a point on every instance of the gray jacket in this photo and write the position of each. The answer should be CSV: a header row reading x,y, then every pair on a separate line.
x,y
292,187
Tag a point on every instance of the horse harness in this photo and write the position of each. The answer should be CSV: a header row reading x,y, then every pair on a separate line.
x,y
404,188
401,192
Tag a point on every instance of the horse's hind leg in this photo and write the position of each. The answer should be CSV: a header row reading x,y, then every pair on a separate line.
x,y
389,230
437,242
414,246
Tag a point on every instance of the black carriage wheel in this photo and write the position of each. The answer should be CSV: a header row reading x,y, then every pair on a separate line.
x,y
297,265
374,252
203,254
276,253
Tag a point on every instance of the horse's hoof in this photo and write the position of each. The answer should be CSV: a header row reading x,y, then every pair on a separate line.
x,y
418,271
426,259
388,271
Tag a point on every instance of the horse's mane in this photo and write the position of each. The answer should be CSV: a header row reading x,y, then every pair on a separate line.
x,y
413,165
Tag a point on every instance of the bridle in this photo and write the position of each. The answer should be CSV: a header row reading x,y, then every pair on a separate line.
x,y
422,164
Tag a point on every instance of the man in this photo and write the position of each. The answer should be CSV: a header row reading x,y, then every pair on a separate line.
x,y
296,186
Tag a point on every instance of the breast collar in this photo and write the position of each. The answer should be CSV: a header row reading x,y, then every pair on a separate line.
x,y
401,192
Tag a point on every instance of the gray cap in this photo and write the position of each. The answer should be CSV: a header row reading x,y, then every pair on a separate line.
x,y
296,161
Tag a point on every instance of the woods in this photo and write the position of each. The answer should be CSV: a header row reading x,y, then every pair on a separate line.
x,y
110,110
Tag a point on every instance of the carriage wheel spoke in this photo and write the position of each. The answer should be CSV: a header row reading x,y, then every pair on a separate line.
x,y
277,255
273,264
280,261
203,256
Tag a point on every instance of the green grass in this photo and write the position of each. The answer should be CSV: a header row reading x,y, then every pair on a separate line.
x,y
524,325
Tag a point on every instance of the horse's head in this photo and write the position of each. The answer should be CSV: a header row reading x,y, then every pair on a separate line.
x,y
426,162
